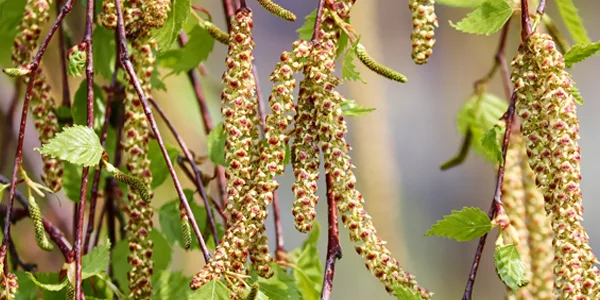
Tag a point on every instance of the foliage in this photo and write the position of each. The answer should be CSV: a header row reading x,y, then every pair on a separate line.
x,y
464,225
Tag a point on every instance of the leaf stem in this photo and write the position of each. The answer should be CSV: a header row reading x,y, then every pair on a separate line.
x,y
496,201
334,249
197,172
128,67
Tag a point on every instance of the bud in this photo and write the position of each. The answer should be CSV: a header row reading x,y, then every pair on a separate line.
x,y
77,58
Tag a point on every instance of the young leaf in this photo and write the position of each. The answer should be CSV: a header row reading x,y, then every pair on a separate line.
x,y
349,71
104,51
486,19
96,261
280,286
212,290
54,287
480,114
119,264
170,285
197,49
79,107
178,15
216,145
305,32
5,186
510,267
464,225
352,109
403,293
580,52
27,288
460,3
72,181
162,251
158,166
308,271
573,21
155,80
78,144
490,142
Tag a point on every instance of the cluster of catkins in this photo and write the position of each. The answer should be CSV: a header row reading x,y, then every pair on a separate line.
x,y
550,128
424,22
524,206
8,281
140,18
42,104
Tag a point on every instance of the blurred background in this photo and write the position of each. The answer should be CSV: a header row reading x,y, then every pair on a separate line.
x,y
398,148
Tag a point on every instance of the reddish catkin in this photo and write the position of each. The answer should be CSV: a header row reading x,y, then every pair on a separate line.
x,y
424,22
42,104
550,127
332,131
540,235
8,281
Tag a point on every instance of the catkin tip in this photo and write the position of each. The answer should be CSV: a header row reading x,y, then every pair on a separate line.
x,y
277,10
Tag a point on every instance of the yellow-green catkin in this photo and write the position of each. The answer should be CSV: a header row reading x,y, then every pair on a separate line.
x,y
8,281
140,18
239,108
424,22
550,127
377,67
186,229
540,236
277,10
42,104
513,200
216,33
332,131
36,218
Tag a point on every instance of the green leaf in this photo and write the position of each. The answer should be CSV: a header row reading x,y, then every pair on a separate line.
x,y
78,144
216,145
11,13
510,267
403,293
96,261
162,251
155,80
305,32
573,21
280,286
104,51
580,52
197,49
54,287
212,290
349,68
158,165
170,221
72,182
577,95
2,188
27,288
352,109
170,285
480,114
485,19
492,144
119,264
308,271
79,107
178,15
464,225
460,3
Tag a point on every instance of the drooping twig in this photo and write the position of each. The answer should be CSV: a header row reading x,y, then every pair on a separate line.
x,y
207,121
197,172
128,67
78,246
66,94
334,249
55,234
525,20
317,27
8,122
497,200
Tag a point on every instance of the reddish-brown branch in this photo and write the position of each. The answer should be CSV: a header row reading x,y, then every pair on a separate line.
x,y
66,94
496,201
207,121
501,61
78,244
128,67
541,7
33,66
317,27
229,8
197,172
334,249
525,21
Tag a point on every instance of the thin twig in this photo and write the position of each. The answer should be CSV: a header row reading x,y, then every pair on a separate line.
x,y
334,249
525,20
317,27
78,247
128,67
501,61
229,8
66,94
197,172
541,7
497,200
207,121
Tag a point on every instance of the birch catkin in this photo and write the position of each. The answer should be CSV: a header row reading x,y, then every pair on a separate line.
x,y
424,21
550,127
